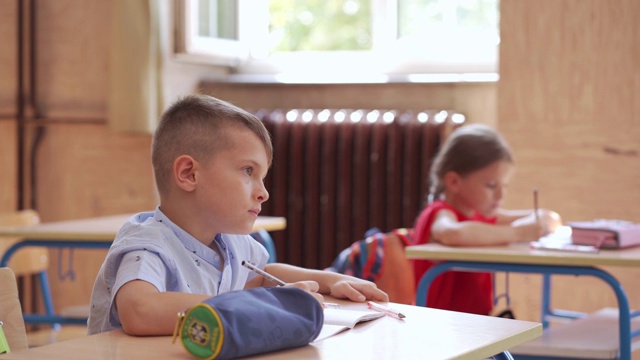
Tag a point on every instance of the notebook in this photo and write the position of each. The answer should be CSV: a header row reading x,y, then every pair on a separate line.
x,y
338,320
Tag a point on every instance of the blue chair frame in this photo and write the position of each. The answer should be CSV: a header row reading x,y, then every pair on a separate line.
x,y
264,238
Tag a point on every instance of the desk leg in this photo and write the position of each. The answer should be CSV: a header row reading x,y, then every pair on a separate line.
x,y
505,355
623,302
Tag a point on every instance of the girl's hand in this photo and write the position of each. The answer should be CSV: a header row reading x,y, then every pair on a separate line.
x,y
550,220
311,287
358,290
531,229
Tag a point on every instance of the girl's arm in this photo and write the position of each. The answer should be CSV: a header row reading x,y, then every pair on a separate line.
x,y
447,230
551,219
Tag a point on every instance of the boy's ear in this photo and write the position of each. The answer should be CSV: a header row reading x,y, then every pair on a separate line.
x,y
184,172
452,181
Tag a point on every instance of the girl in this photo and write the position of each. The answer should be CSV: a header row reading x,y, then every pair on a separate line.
x,y
469,179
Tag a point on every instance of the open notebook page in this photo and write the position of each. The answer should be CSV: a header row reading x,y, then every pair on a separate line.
x,y
338,320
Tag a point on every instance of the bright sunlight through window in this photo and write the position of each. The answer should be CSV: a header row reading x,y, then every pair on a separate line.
x,y
344,40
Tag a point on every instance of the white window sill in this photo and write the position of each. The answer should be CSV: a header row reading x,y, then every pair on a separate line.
x,y
355,78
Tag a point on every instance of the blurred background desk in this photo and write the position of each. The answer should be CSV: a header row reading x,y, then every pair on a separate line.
x,y
91,233
520,258
423,334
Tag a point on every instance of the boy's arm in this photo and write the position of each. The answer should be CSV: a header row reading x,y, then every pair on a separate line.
x,y
143,310
329,283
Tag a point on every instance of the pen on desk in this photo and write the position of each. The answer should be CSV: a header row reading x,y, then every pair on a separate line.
x,y
279,282
386,310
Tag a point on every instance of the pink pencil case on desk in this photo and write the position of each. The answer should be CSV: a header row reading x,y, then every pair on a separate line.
x,y
605,233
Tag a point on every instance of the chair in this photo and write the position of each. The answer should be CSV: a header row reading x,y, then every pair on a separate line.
x,y
264,238
11,311
379,258
29,261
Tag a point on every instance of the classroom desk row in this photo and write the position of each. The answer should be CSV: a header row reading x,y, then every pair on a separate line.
x,y
91,233
424,334
521,258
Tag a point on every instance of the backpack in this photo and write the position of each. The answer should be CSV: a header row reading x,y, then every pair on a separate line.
x,y
379,258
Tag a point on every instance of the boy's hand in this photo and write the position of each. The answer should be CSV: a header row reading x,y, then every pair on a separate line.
x,y
311,287
358,290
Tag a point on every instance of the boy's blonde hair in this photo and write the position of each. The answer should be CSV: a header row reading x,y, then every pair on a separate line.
x,y
194,126
469,148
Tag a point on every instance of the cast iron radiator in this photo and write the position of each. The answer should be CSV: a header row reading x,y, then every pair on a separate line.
x,y
337,173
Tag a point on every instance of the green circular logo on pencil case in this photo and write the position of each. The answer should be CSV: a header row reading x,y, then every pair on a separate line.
x,y
202,332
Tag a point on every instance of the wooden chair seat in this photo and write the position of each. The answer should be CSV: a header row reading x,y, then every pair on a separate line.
x,y
26,261
11,311
593,337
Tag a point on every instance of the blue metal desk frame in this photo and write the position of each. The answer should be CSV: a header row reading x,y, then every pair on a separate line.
x,y
546,270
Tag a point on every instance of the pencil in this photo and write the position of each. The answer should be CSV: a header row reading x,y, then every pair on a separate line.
x,y
279,282
263,273
393,313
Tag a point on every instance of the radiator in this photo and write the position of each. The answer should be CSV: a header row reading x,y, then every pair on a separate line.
x,y
337,173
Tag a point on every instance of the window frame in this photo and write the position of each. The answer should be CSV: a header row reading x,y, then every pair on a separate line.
x,y
324,67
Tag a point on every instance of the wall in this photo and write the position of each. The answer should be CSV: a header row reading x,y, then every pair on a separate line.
x,y
8,142
568,101
81,169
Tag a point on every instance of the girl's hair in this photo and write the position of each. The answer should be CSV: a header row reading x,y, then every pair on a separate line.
x,y
195,126
468,148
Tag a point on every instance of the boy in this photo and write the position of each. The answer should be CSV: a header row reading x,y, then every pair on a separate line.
x,y
209,159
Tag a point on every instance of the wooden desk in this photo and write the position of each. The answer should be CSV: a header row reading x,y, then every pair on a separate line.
x,y
91,233
520,258
103,228
425,333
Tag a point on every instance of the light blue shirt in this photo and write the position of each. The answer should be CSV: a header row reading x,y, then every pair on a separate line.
x,y
150,247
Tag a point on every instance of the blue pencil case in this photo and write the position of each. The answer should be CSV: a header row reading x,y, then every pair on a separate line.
x,y
249,322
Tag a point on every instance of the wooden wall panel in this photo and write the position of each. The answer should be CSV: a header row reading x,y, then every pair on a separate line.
x,y
569,105
8,58
72,58
8,164
86,171
8,141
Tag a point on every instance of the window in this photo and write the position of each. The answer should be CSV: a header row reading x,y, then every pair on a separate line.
x,y
347,39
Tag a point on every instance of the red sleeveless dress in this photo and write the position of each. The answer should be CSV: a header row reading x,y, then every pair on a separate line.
x,y
469,292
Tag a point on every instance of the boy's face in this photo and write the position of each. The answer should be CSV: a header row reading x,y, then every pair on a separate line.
x,y
231,191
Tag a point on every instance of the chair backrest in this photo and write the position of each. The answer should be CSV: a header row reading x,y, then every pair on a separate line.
x,y
264,238
11,311
26,261
379,257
